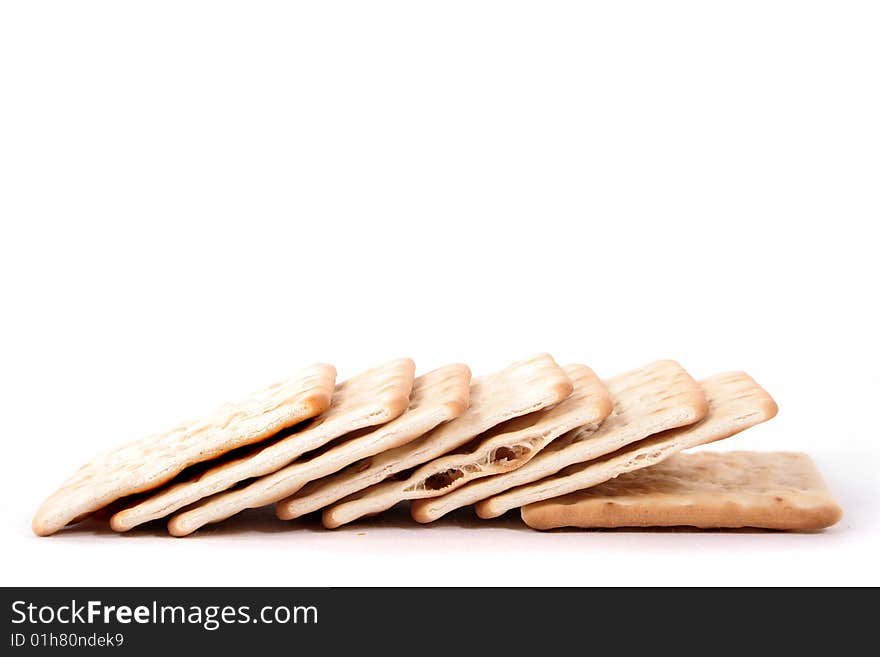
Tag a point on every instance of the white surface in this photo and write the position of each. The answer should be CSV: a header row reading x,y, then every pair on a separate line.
x,y
197,198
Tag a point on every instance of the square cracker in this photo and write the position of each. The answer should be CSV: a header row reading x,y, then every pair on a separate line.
x,y
653,398
736,403
770,490
503,448
437,397
147,463
372,397
521,388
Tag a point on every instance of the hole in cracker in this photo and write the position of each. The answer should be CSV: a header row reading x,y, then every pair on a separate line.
x,y
509,453
503,454
443,479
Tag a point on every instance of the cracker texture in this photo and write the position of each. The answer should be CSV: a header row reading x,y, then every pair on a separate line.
x,y
735,402
647,400
149,462
510,445
437,397
372,397
524,387
771,490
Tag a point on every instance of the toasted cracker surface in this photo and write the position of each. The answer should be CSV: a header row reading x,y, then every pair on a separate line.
x,y
510,445
653,398
772,490
503,448
149,462
736,402
437,397
524,387
373,397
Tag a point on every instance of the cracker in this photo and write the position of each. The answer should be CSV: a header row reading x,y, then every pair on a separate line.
x,y
647,400
523,387
736,403
437,397
373,397
770,490
147,463
508,446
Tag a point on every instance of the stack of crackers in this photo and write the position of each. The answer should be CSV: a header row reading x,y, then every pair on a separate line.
x,y
563,446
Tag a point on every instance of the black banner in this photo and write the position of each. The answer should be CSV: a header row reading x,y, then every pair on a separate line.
x,y
137,621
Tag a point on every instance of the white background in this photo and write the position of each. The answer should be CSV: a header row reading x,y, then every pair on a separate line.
x,y
199,198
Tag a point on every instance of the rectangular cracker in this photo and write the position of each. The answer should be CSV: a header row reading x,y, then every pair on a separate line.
x,y
147,463
647,400
523,387
503,448
770,490
373,397
437,397
735,401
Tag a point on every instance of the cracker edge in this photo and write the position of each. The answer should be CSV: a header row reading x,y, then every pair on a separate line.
x,y
814,518
45,523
